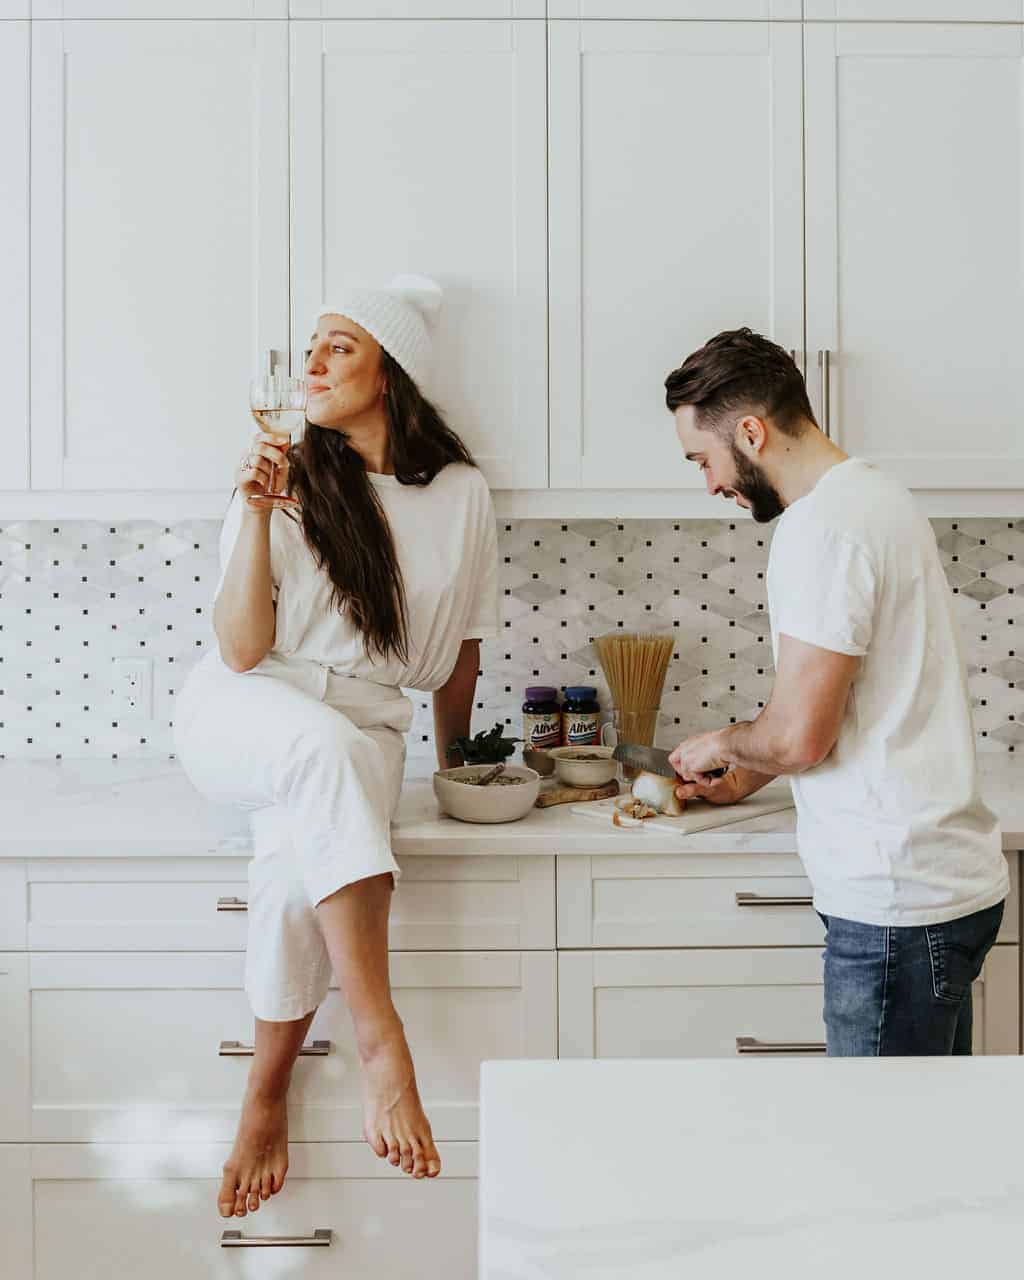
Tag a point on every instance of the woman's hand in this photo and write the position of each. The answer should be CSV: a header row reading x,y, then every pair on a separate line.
x,y
253,477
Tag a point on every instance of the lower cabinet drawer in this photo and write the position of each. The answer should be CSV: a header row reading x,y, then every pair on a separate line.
x,y
714,1004
101,1210
200,904
700,900
128,1047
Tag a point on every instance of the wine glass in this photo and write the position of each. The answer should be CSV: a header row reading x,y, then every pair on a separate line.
x,y
279,406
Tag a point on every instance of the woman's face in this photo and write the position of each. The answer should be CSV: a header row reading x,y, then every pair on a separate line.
x,y
343,372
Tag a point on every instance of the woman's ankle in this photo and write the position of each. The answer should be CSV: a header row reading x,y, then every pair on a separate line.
x,y
378,1034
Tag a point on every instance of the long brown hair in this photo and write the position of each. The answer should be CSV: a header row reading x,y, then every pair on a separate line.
x,y
342,517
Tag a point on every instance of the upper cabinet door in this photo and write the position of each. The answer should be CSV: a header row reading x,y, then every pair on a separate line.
x,y
675,212
159,247
916,10
159,8
915,260
14,312
718,10
419,147
417,8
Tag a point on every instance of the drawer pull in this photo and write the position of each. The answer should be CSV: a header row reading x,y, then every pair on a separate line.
x,y
235,1240
235,1049
747,1044
232,904
772,900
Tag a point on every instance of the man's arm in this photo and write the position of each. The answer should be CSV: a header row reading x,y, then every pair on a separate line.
x,y
796,730
453,702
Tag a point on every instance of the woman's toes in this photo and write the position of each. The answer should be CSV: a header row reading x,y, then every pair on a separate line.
x,y
254,1197
266,1185
407,1159
394,1154
433,1167
376,1141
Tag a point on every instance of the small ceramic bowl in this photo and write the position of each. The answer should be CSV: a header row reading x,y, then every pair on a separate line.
x,y
493,803
584,773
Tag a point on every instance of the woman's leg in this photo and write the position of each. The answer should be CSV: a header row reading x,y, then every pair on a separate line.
x,y
256,1168
354,921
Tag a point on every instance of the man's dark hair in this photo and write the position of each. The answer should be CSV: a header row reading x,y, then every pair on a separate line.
x,y
739,372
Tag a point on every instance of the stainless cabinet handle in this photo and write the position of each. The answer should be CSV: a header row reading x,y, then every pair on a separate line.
x,y
232,904
772,900
747,1044
269,363
826,407
235,1049
235,1240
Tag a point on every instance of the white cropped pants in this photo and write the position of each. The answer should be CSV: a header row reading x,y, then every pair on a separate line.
x,y
317,760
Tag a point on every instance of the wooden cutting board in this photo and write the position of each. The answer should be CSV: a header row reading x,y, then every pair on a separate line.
x,y
699,815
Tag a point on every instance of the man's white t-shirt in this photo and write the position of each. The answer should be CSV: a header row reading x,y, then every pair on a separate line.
x,y
891,827
447,548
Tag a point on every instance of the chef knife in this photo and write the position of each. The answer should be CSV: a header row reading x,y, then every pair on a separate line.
x,y
651,760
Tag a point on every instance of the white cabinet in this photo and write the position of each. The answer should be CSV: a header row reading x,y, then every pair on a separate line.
x,y
417,8
675,211
718,1003
159,247
93,1211
14,236
916,10
722,10
915,140
14,1057
136,9
701,900
149,1032
419,146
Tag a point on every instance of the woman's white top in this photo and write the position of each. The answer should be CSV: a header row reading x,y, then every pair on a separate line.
x,y
447,547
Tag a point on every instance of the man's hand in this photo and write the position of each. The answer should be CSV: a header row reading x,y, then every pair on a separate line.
x,y
694,759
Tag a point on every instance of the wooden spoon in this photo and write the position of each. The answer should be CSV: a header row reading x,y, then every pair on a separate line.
x,y
491,774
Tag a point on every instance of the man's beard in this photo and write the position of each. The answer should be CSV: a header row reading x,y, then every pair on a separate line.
x,y
751,483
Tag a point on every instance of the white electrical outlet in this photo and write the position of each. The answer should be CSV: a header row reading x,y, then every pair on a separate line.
x,y
131,690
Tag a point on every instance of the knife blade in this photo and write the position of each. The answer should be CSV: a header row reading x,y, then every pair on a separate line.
x,y
651,760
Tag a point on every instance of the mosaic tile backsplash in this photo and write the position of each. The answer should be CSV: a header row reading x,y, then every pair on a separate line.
x,y
75,595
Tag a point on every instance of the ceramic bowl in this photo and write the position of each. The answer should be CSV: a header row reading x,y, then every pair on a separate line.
x,y
575,772
486,804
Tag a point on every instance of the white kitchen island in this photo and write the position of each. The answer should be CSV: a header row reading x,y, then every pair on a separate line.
x,y
800,1170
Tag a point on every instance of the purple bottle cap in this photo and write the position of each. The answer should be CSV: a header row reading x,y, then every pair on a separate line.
x,y
540,693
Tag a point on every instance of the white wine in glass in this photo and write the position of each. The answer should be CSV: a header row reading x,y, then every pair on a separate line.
x,y
279,406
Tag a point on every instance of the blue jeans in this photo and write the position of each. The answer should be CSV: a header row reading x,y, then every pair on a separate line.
x,y
903,991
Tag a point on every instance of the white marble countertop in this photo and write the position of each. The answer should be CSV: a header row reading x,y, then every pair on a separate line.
x,y
139,808
842,1168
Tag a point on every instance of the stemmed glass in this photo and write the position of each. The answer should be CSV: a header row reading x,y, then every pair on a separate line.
x,y
279,406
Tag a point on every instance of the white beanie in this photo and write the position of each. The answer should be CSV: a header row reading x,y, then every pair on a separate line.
x,y
401,317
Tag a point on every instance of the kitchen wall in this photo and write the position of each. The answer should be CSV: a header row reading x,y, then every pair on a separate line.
x,y
76,594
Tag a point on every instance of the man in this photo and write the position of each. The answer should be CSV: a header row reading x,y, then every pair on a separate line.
x,y
869,712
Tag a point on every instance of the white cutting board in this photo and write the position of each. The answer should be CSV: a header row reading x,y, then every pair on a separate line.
x,y
699,815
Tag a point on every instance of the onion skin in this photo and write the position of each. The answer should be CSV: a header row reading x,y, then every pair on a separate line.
x,y
658,792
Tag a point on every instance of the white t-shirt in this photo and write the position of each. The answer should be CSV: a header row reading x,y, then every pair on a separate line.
x,y
447,548
890,826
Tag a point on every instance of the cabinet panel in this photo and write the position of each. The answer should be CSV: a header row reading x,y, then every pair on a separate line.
x,y
149,9
159,247
916,10
151,1211
425,185
14,1059
699,1004
695,900
197,904
417,8
722,10
16,1210
915,240
14,236
147,1030
675,198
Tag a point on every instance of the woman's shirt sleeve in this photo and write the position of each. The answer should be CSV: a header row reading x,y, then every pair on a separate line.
x,y
484,619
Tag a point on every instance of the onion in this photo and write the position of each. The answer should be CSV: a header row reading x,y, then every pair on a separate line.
x,y
658,792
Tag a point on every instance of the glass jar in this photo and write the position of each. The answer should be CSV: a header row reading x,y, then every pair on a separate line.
x,y
581,717
542,718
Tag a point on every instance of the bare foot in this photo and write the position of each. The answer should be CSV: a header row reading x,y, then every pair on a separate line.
x,y
394,1122
256,1168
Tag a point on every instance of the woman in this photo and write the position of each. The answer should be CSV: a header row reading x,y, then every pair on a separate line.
x,y
386,577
